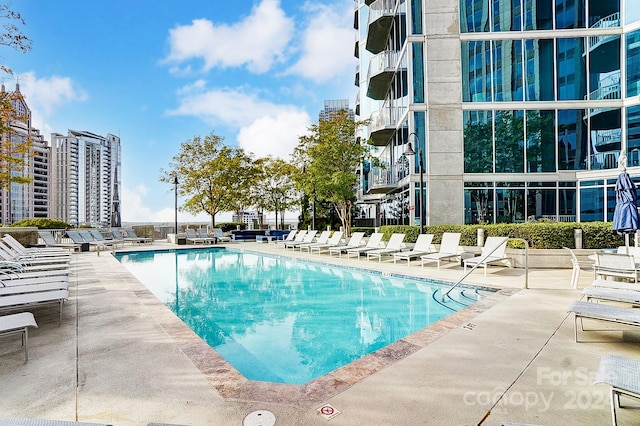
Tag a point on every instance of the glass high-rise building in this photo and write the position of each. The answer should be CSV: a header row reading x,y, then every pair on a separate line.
x,y
85,176
519,108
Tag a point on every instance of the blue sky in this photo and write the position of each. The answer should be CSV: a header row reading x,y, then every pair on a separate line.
x,y
255,72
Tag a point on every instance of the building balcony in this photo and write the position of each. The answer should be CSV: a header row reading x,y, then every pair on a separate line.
x,y
381,180
380,74
381,16
357,82
382,126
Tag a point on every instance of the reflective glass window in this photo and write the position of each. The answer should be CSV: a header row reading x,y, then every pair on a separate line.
x,y
510,205
567,203
604,67
571,70
605,137
478,142
416,16
570,14
478,205
591,204
540,142
604,13
633,62
474,16
418,72
572,140
633,136
476,71
509,141
541,203
538,14
632,11
539,72
507,70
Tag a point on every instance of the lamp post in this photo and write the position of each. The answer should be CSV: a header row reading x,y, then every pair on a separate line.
x,y
410,152
175,190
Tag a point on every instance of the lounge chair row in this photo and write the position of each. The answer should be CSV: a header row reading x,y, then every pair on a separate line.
x,y
621,374
492,252
30,278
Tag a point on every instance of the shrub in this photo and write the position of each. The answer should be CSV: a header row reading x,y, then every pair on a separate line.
x,y
539,234
42,223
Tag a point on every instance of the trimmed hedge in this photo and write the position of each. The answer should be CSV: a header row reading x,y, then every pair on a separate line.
x,y
42,223
539,235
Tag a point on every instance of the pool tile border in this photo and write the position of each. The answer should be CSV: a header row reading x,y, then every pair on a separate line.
x,y
232,385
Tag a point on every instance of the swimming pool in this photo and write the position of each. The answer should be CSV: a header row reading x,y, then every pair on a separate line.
x,y
278,319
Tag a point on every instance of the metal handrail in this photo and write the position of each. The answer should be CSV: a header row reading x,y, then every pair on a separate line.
x,y
526,266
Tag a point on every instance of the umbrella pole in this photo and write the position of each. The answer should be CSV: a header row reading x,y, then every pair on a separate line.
x,y
626,242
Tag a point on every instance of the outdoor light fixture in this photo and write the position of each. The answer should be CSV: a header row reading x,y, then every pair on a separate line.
x,y
410,152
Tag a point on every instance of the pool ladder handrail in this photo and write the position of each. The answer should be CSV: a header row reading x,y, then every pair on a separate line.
x,y
526,266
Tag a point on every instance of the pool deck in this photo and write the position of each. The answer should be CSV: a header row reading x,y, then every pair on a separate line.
x,y
122,358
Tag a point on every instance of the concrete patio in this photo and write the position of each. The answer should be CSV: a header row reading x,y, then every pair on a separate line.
x,y
120,357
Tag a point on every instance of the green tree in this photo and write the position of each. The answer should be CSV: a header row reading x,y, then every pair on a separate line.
x,y
330,156
275,189
213,177
14,148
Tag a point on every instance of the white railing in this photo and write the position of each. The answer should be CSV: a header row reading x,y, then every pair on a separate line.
x,y
611,91
610,21
381,62
380,8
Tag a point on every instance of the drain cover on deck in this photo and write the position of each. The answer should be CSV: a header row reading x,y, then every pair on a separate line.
x,y
260,418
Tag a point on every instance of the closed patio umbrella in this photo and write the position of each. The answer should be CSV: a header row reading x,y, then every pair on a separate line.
x,y
625,216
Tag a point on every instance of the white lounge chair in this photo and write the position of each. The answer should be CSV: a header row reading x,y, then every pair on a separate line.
x,y
493,251
393,246
577,267
448,249
620,285
33,252
354,242
18,324
421,247
291,237
603,312
10,260
20,253
307,238
333,241
33,288
372,244
194,238
50,241
132,234
219,236
322,239
611,295
623,375
617,266
28,300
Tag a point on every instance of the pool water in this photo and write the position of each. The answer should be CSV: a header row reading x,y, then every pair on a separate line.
x,y
283,320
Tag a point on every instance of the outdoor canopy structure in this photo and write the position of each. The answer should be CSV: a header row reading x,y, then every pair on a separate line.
x,y
625,215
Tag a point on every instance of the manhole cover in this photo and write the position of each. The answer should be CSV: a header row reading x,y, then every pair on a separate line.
x,y
260,418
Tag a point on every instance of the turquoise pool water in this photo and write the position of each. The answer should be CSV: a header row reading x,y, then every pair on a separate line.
x,y
277,319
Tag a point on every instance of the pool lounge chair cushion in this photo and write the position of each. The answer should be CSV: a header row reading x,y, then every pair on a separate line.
x,y
18,324
623,375
602,312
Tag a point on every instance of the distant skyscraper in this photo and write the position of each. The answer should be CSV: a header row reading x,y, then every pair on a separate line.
x,y
331,107
25,200
86,178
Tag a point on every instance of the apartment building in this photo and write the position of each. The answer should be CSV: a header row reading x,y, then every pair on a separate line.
x,y
85,178
332,107
515,108
25,200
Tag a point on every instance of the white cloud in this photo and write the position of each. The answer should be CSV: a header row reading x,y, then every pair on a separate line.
x,y
275,135
256,42
45,95
134,210
326,52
